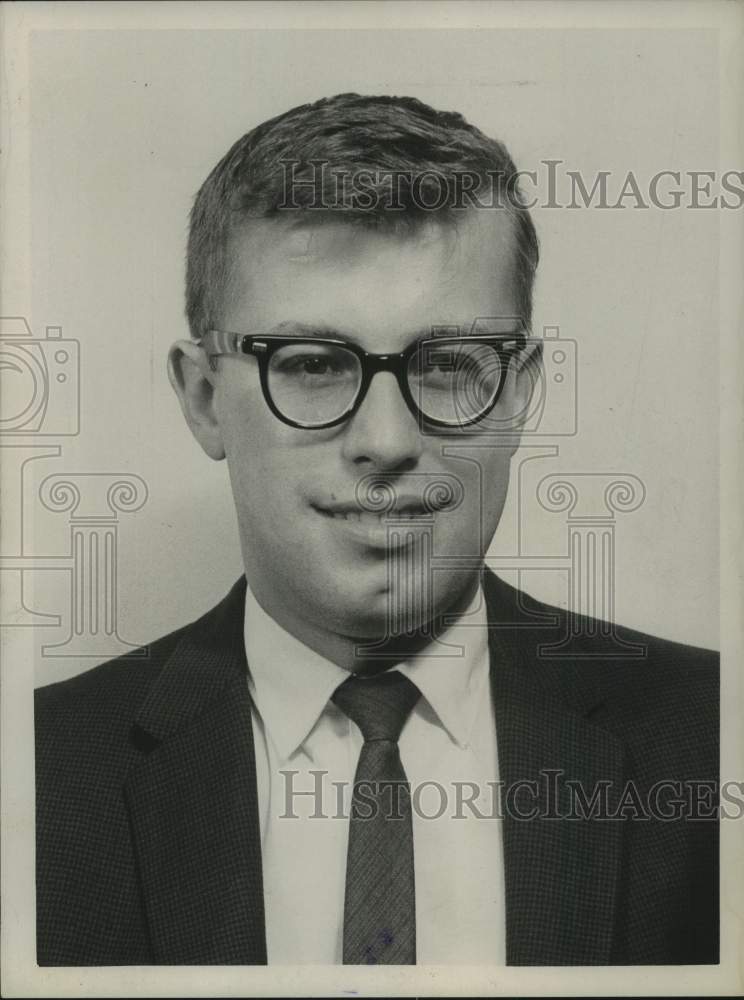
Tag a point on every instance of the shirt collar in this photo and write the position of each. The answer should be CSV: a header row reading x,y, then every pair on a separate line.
x,y
291,684
452,672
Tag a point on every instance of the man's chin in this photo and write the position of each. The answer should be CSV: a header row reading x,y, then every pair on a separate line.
x,y
388,617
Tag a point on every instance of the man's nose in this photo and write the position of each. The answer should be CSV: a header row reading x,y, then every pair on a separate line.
x,y
383,432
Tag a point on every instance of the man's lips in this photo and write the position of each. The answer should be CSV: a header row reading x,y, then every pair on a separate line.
x,y
381,530
375,517
391,529
402,507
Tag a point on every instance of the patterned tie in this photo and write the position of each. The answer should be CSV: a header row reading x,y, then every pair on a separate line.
x,y
380,907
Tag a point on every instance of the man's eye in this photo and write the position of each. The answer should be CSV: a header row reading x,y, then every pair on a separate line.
x,y
452,363
444,363
309,365
319,366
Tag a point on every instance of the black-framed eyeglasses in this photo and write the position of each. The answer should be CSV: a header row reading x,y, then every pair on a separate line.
x,y
317,382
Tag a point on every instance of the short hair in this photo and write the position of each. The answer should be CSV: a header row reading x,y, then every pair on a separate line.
x,y
399,146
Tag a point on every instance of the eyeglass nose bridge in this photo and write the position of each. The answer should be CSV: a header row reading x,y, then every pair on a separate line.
x,y
382,362
394,363
375,363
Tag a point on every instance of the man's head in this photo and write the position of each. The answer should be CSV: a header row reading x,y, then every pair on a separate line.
x,y
379,222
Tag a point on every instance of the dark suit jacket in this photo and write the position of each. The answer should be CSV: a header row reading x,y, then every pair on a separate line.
x,y
148,847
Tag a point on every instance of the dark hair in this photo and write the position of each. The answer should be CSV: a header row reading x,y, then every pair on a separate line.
x,y
402,152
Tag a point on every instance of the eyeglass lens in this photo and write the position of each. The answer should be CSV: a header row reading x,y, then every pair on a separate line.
x,y
313,383
454,382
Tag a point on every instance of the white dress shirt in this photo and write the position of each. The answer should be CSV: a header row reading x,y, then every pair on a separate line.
x,y
449,738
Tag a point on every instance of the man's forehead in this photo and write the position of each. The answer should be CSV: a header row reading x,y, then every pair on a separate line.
x,y
399,282
312,239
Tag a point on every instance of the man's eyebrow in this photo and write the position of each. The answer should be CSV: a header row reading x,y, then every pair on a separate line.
x,y
291,328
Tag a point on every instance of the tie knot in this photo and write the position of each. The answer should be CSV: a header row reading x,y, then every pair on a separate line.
x,y
379,705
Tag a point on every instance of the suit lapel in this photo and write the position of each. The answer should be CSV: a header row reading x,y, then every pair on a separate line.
x,y
193,801
561,875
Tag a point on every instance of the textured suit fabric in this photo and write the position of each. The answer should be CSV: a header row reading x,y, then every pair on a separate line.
x,y
148,846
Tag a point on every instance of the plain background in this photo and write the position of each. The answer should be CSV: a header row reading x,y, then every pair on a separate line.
x,y
125,125
616,115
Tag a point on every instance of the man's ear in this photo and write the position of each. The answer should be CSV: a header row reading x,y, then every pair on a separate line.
x,y
191,378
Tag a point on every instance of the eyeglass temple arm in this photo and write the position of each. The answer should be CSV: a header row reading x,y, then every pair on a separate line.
x,y
221,342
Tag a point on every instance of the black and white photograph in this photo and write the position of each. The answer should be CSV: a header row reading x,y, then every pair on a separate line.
x,y
371,460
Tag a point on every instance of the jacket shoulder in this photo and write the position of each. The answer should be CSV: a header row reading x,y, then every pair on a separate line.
x,y
596,641
83,724
659,694
121,681
104,699
586,637
134,671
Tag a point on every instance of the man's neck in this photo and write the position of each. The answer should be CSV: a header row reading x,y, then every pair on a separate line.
x,y
372,654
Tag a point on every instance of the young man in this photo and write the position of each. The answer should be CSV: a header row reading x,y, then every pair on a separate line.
x,y
359,294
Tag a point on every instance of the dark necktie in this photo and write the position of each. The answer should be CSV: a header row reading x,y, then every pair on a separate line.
x,y
380,906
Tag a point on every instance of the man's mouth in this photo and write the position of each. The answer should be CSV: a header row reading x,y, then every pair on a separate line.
x,y
394,528
382,508
411,512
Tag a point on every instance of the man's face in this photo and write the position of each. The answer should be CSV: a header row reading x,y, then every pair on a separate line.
x,y
309,558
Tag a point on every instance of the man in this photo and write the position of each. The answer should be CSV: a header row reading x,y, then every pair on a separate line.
x,y
359,290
